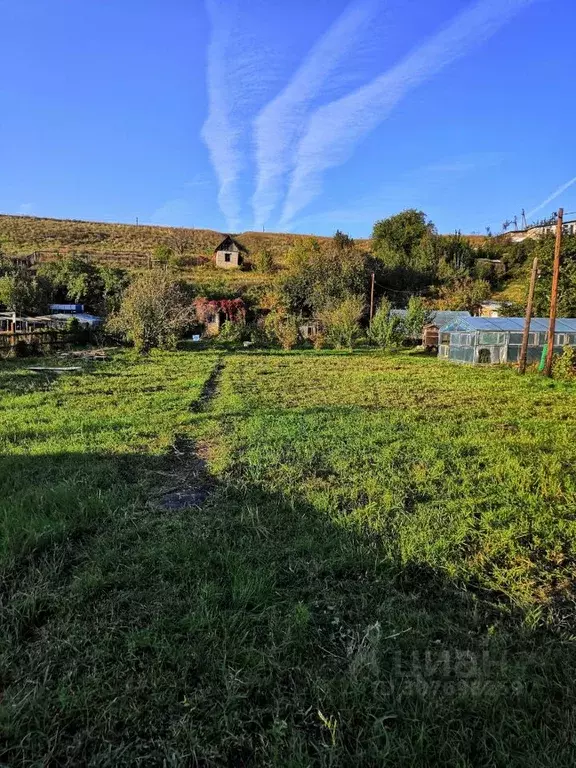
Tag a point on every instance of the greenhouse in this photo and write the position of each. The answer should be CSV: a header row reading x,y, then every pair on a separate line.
x,y
493,340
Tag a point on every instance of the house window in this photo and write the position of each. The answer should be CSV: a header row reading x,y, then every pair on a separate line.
x,y
227,257
561,339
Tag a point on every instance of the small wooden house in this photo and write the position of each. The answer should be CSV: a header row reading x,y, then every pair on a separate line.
x,y
229,254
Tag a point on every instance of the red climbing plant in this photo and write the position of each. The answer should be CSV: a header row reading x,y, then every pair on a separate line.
x,y
234,309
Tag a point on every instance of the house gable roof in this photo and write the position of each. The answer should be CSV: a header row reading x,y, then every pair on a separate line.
x,y
230,244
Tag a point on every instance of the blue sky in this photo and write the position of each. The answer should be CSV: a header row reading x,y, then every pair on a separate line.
x,y
293,115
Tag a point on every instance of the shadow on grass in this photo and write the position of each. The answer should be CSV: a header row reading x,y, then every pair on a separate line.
x,y
247,630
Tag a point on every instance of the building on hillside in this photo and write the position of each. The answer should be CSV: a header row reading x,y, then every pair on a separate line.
x,y
539,230
429,334
66,309
491,340
229,254
490,309
24,262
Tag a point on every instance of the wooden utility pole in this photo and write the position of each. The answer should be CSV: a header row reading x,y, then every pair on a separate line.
x,y
554,296
524,349
372,298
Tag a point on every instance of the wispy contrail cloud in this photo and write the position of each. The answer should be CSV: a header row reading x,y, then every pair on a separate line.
x,y
336,128
552,197
240,74
218,132
278,127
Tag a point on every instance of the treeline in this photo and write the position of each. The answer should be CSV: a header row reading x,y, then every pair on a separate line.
x,y
72,279
327,283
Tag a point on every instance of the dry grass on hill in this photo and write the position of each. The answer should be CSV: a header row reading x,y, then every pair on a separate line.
x,y
128,244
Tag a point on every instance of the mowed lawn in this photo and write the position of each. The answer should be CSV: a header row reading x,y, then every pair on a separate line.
x,y
379,571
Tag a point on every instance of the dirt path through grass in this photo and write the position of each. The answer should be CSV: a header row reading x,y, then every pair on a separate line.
x,y
190,478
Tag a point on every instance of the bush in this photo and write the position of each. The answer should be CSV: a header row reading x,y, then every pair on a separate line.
x,y
282,328
386,331
154,312
232,331
264,261
319,340
565,364
417,317
20,349
341,322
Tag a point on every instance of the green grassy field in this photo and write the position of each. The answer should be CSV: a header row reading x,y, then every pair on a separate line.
x,y
377,567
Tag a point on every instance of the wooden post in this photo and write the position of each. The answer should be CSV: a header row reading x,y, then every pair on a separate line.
x,y
554,296
372,298
524,349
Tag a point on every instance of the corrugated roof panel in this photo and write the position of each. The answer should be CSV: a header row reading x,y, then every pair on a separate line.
x,y
439,317
537,324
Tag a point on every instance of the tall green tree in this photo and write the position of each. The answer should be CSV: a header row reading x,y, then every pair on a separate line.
x,y
321,276
77,279
403,232
405,244
23,292
544,251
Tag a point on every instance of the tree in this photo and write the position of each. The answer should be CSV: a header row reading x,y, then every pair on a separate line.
x,y
114,283
402,232
154,312
23,292
341,321
417,317
319,277
180,242
405,244
544,251
386,331
342,241
456,252
76,279
464,294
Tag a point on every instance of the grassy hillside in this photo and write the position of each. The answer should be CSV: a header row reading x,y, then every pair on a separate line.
x,y
127,243
286,559
130,246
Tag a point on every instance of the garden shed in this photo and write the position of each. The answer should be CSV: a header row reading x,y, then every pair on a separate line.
x,y
493,340
230,253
